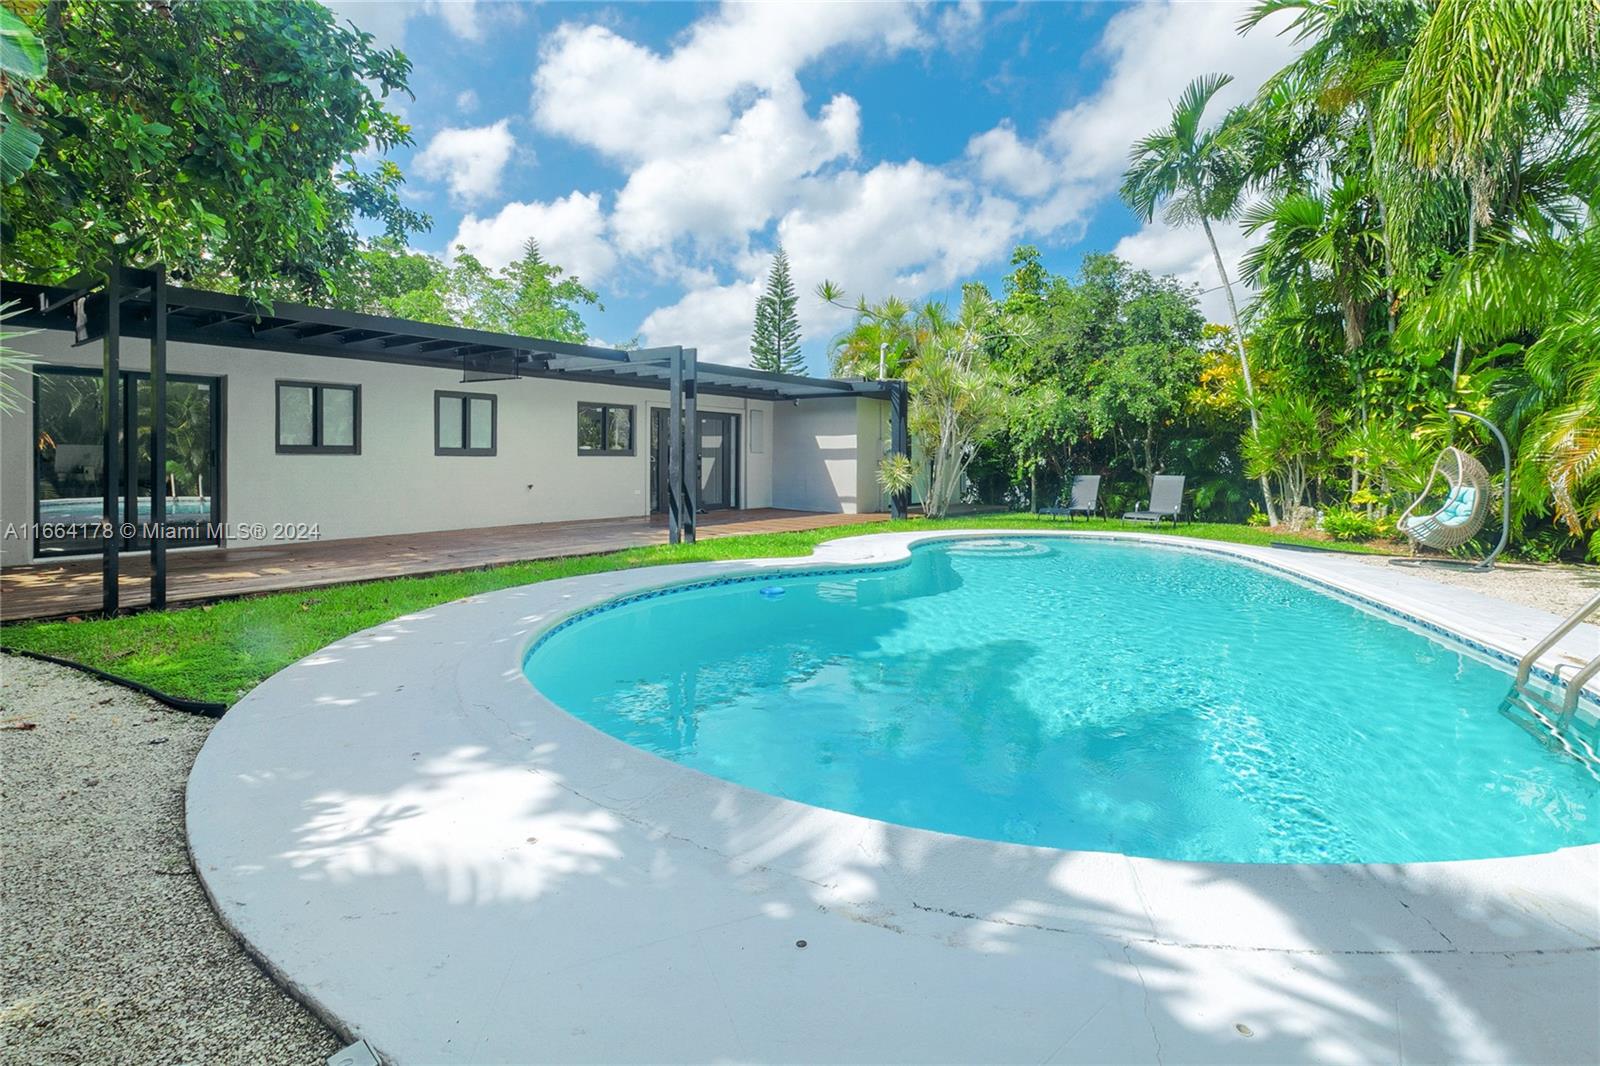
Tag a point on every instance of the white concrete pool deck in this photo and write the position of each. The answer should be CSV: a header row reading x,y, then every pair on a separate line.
x,y
439,860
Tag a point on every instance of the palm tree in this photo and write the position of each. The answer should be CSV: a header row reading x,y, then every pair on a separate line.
x,y
1199,175
1355,52
1326,244
1483,78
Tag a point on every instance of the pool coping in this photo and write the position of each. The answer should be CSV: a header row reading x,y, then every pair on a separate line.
x,y
456,671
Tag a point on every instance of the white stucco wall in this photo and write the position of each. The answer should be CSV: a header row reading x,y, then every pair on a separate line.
x,y
816,464
396,484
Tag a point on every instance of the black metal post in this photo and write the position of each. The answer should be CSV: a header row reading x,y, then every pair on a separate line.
x,y
675,450
158,438
111,462
1505,488
899,443
691,426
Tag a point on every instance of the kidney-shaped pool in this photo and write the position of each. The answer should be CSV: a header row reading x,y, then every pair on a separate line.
x,y
1080,694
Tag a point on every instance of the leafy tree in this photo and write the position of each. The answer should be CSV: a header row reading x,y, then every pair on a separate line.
x,y
220,138
531,297
1199,175
775,343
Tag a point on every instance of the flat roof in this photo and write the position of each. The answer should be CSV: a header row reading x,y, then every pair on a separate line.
x,y
200,316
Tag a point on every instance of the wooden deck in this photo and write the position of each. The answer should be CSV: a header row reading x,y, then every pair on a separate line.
x,y
72,587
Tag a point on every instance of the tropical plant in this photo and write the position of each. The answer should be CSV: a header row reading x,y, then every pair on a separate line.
x,y
12,362
22,62
882,340
958,397
896,474
775,341
1288,444
1199,175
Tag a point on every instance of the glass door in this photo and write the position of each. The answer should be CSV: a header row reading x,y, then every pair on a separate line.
x,y
716,462
719,461
69,461
69,472
190,478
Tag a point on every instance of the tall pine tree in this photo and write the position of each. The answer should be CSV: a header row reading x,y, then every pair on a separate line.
x,y
775,342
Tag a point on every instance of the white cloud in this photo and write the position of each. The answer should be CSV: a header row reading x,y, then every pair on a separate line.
x,y
715,320
387,20
905,228
470,159
466,101
634,104
1185,253
1154,52
570,232
1002,158
461,16
716,194
959,24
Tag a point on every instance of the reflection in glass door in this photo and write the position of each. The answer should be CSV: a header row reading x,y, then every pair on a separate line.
x,y
190,478
69,472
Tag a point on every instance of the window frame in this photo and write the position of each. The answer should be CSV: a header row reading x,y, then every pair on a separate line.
x,y
605,424
316,447
466,422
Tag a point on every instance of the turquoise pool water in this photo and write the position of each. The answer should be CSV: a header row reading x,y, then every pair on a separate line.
x,y
1081,694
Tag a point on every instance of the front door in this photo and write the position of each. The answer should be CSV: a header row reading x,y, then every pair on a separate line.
x,y
719,461
69,475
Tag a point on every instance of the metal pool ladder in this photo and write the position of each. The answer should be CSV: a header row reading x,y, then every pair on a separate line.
x,y
1572,690
1556,712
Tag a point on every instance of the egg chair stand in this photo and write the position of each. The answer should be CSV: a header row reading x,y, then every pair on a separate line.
x,y
1466,506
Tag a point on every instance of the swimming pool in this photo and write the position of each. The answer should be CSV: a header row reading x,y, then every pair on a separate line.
x,y
1079,694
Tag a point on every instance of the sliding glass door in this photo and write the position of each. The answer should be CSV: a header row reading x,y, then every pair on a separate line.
x,y
69,468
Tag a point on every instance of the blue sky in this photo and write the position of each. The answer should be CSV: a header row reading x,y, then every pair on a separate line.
x,y
662,151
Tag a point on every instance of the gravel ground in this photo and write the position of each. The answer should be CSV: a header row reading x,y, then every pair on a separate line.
x,y
1558,589
112,954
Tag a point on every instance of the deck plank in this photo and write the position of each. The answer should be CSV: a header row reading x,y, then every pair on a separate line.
x,y
61,588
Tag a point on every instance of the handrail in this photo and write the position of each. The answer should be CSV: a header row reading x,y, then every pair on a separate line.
x,y
1569,706
1571,622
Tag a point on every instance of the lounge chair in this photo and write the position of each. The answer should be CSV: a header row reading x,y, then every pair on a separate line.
x,y
1084,500
1166,501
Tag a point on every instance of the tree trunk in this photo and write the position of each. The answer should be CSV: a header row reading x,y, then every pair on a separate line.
x,y
1472,244
1383,221
1244,358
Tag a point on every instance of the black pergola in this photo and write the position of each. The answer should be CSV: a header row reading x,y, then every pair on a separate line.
x,y
122,302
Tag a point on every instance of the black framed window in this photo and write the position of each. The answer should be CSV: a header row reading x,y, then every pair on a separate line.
x,y
605,429
465,423
314,418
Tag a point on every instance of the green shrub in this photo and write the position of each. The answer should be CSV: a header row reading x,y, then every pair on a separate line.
x,y
1342,523
1257,517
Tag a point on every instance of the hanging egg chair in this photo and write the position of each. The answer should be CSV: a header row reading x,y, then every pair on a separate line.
x,y
1465,507
1467,491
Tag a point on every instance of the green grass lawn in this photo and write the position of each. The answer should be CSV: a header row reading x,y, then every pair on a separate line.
x,y
220,651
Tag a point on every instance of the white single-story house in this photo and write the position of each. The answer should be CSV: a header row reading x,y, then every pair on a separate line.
x,y
295,423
